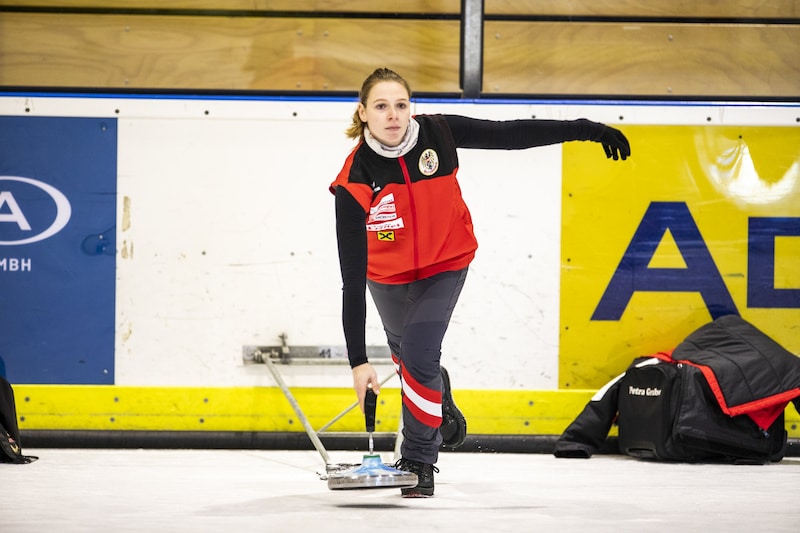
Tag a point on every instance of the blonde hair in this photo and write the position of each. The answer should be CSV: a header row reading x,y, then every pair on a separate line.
x,y
356,129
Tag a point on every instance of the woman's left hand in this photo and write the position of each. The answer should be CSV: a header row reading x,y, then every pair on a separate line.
x,y
614,143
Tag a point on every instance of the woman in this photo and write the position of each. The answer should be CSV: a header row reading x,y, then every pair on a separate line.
x,y
404,231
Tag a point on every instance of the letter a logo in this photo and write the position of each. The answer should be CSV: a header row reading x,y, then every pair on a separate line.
x,y
16,214
634,273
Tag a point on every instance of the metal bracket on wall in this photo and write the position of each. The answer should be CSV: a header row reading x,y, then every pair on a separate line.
x,y
271,356
308,355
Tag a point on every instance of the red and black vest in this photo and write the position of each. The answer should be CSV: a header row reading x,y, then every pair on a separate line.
x,y
417,222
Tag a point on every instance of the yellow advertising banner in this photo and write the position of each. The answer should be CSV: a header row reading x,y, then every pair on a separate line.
x,y
701,221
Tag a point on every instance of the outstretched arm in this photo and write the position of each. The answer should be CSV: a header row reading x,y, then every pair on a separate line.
x,y
528,133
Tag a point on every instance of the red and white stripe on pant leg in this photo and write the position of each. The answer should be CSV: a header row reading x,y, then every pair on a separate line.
x,y
424,403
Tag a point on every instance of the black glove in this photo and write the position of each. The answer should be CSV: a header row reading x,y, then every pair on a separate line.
x,y
614,143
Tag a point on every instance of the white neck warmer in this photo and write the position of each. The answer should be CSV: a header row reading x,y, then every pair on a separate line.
x,y
409,141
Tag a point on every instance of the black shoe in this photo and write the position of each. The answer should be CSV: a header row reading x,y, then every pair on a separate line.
x,y
424,472
454,425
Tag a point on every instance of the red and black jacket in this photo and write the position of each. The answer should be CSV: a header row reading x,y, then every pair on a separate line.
x,y
747,372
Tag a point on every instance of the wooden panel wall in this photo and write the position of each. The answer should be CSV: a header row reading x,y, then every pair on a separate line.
x,y
655,59
310,6
729,9
738,48
607,8
222,53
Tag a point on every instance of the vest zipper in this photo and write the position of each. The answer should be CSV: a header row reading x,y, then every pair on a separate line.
x,y
412,207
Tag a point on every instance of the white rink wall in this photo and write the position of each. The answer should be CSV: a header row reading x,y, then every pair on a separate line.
x,y
225,235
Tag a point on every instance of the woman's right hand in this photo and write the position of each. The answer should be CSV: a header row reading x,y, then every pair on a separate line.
x,y
364,376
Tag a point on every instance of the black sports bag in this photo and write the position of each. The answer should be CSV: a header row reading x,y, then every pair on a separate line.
x,y
10,448
668,412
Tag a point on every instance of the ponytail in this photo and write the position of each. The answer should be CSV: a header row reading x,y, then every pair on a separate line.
x,y
356,129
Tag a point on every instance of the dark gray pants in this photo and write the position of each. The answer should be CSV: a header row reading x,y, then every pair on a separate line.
x,y
415,317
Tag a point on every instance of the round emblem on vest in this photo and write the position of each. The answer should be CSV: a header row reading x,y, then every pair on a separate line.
x,y
429,162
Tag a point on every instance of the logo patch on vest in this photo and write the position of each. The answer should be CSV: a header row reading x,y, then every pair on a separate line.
x,y
386,236
383,217
429,162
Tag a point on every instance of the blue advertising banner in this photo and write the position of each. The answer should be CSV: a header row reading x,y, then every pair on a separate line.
x,y
58,187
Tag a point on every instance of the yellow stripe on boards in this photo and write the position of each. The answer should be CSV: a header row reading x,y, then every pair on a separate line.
x,y
89,407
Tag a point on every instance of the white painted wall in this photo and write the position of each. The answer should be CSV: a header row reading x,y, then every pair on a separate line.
x,y
226,236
